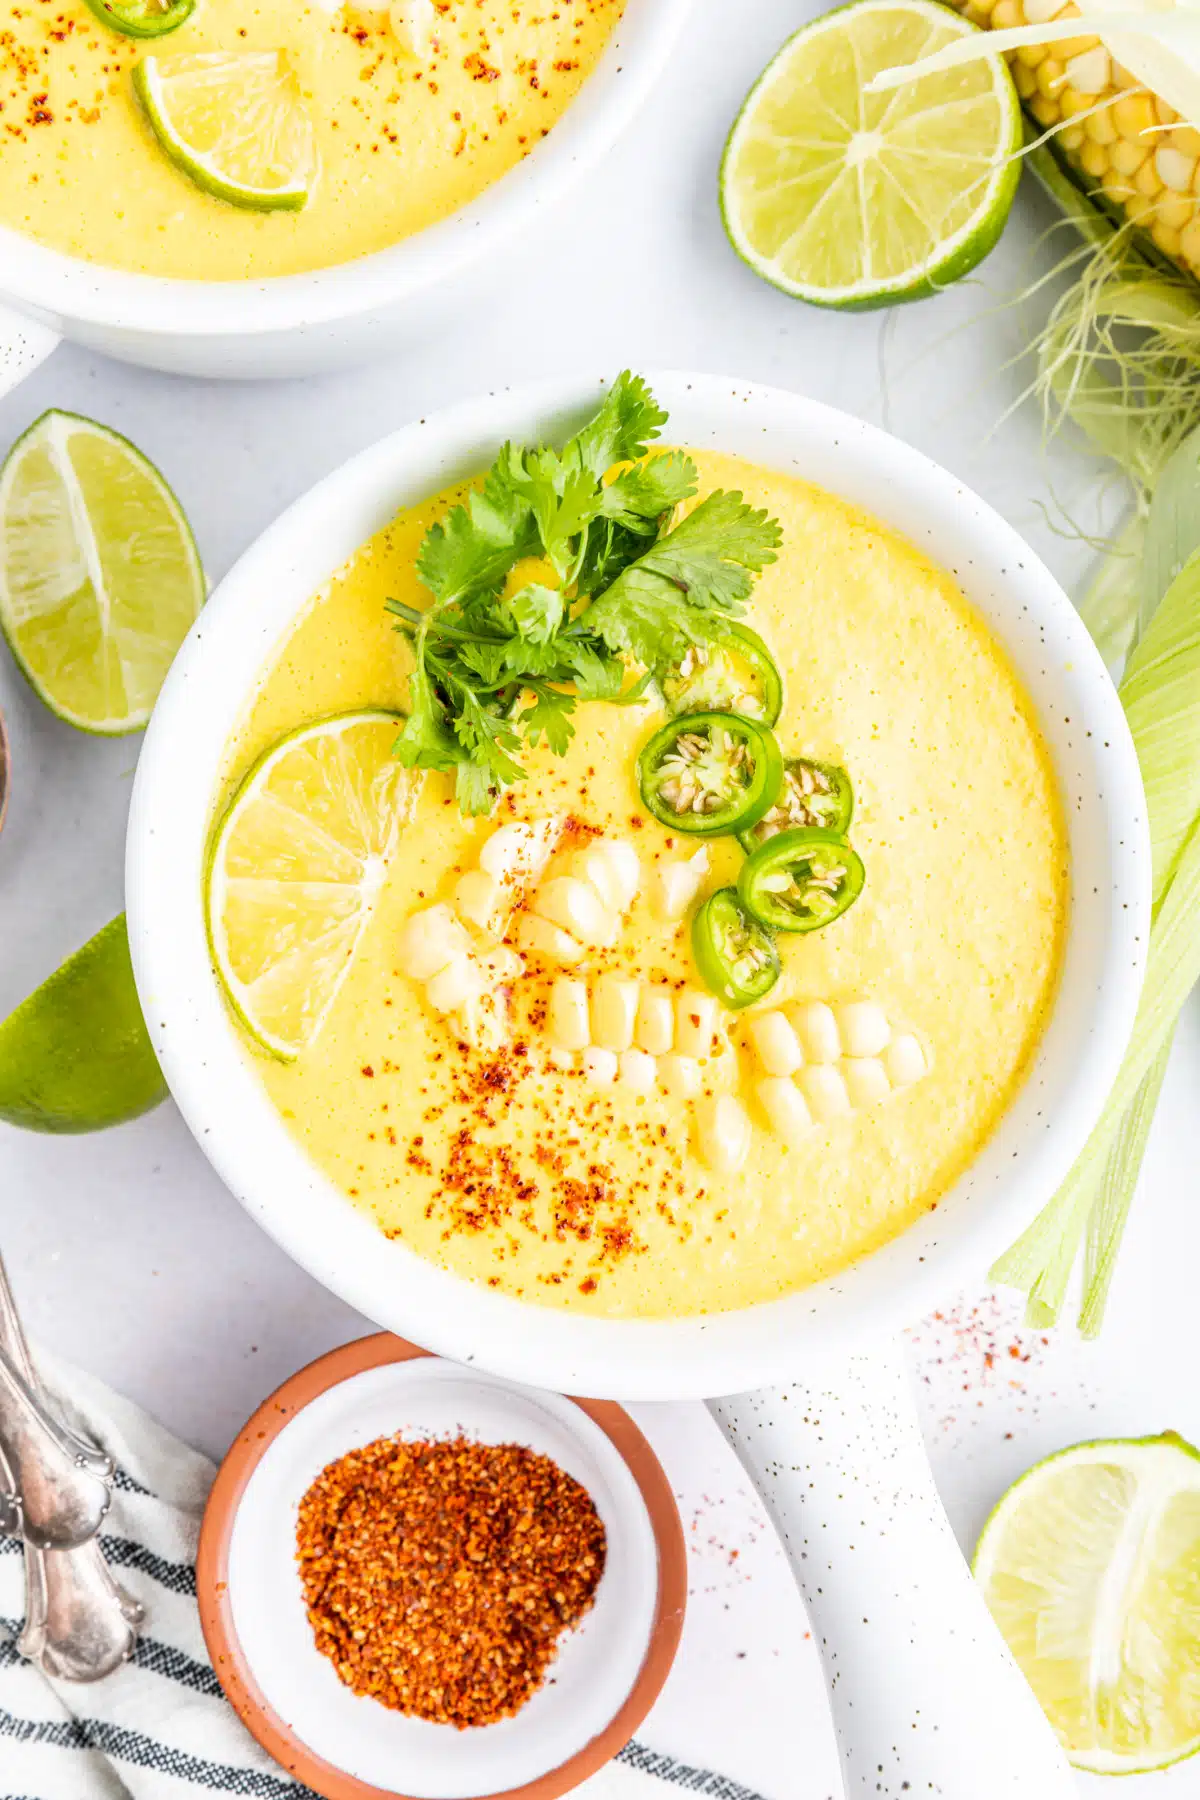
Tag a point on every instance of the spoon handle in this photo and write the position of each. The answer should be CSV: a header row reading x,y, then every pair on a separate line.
x,y
61,1479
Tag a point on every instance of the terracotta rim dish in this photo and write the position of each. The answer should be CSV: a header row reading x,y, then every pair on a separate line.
x,y
216,1610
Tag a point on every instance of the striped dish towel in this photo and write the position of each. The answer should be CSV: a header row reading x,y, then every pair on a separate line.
x,y
160,1728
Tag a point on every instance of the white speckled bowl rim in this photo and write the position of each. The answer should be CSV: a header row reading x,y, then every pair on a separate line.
x,y
227,1108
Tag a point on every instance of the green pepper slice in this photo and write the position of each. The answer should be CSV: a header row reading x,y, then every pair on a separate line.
x,y
710,773
811,793
737,674
734,953
143,18
800,880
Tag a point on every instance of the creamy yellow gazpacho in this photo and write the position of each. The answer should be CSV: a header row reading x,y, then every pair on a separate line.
x,y
639,1041
349,126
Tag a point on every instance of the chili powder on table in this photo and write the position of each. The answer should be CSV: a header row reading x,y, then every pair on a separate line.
x,y
440,1574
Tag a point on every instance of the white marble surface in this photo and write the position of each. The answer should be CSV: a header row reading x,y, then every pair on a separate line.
x,y
127,1253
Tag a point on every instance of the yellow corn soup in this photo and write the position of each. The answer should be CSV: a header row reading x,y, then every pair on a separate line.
x,y
403,141
512,1171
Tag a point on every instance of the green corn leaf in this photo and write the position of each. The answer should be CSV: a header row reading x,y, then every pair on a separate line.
x,y
1108,1217
1161,697
1172,527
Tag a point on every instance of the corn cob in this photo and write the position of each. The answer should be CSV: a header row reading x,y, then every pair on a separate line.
x,y
1127,145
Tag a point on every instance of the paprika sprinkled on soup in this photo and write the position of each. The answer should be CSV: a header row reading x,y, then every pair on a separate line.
x,y
439,1576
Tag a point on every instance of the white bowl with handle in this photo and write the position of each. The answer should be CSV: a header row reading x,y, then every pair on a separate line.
x,y
925,1697
302,324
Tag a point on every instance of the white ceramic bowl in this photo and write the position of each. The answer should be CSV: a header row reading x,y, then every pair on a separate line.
x,y
298,324
873,1554
211,1075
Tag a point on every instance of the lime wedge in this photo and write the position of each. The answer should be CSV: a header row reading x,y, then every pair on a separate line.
x,y
75,1055
1091,1567
99,575
296,867
849,199
235,123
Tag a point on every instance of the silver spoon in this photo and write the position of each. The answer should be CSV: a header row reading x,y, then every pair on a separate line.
x,y
80,1624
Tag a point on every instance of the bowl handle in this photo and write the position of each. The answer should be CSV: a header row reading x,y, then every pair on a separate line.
x,y
924,1693
23,345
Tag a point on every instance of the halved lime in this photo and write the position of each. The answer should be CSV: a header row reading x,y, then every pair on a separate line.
x,y
99,574
1091,1567
235,122
296,867
75,1055
851,200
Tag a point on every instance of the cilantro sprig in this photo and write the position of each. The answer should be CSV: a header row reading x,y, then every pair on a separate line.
x,y
499,668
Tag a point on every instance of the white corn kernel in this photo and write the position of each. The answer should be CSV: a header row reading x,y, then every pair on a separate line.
x,y
637,1070
567,1014
428,941
600,1066
654,1030
460,982
575,906
672,886
476,897
722,1133
786,1109
817,1029
1175,168
1090,72
904,1060
560,1059
538,937
695,1022
612,868
863,1027
823,1088
775,1043
500,965
614,1009
412,23
517,853
680,1076
866,1080
1040,12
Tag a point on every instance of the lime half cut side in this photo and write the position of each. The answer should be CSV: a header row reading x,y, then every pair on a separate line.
x,y
850,199
296,867
99,575
1090,1565
235,122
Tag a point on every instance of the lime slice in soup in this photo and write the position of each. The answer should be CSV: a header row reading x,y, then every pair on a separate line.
x,y
296,867
235,122
850,199
99,575
1091,1567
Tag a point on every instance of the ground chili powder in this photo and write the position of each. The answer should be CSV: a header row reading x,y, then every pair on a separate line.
x,y
439,1575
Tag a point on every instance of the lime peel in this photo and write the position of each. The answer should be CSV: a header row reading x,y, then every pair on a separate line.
x,y
75,1054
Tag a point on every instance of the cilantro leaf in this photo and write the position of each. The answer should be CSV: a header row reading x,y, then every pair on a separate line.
x,y
622,431
499,670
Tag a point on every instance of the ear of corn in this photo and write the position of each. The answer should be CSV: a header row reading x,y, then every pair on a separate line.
x,y
1127,146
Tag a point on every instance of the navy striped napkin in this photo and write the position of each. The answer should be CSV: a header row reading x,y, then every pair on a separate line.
x,y
160,1728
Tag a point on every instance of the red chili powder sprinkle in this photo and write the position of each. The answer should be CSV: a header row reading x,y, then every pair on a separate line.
x,y
439,1575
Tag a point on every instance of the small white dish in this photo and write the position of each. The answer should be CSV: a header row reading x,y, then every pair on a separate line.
x,y
348,1747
